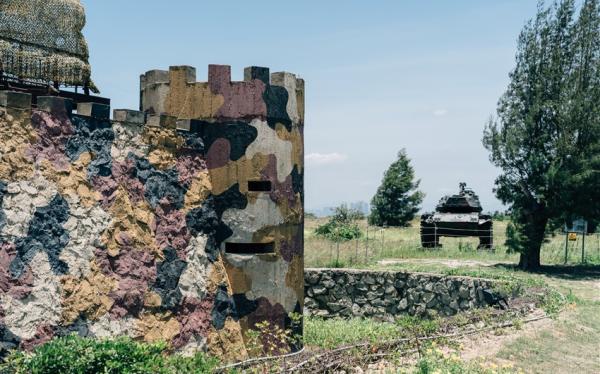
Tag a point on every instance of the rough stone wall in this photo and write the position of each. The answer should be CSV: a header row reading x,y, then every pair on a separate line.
x,y
121,227
358,293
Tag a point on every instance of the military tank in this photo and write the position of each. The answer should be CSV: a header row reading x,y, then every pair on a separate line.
x,y
457,216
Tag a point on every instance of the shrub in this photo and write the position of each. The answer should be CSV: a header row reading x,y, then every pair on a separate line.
x,y
336,231
73,354
341,226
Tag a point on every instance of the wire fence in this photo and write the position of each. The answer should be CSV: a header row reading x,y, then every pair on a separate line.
x,y
377,243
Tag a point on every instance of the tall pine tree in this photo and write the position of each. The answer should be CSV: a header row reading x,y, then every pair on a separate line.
x,y
397,199
546,135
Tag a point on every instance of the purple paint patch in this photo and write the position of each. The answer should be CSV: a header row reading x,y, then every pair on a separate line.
x,y
132,263
17,288
280,191
43,334
53,135
134,270
188,165
293,247
129,297
218,154
122,175
170,229
195,319
241,99
265,311
275,315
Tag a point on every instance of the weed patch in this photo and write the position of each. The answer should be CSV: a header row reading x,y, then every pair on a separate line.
x,y
73,354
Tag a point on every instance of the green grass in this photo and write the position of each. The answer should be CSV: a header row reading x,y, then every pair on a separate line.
x,y
335,332
436,361
332,333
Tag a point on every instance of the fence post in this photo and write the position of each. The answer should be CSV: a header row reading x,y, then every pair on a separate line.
x,y
583,247
382,242
566,247
367,246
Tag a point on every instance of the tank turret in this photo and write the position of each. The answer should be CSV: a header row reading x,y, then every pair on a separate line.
x,y
457,215
466,201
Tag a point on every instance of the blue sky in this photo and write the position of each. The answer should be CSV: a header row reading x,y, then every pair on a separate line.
x,y
380,76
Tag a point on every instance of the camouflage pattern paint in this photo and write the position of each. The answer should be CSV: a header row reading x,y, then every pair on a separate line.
x,y
147,225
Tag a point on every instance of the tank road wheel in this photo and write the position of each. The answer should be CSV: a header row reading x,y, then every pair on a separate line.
x,y
486,234
428,237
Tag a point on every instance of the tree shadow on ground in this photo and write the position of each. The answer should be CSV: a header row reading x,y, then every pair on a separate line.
x,y
568,272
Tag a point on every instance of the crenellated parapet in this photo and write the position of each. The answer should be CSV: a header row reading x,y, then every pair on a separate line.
x,y
277,97
181,222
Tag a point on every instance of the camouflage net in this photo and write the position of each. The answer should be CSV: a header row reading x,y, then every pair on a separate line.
x,y
42,40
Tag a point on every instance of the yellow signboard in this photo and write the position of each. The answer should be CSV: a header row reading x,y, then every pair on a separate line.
x,y
572,236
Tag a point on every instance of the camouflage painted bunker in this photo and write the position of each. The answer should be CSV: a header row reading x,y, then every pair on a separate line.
x,y
180,222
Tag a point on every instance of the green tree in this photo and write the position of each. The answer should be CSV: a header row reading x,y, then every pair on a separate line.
x,y
397,199
545,137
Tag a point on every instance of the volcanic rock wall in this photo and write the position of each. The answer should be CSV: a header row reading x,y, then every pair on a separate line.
x,y
385,294
178,223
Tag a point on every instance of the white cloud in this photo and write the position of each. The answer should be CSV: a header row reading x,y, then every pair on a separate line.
x,y
325,158
440,112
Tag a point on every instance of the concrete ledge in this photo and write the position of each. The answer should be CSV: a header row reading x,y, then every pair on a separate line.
x,y
55,104
95,110
128,116
15,100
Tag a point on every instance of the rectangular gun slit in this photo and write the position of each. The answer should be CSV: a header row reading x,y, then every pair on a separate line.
x,y
249,248
259,186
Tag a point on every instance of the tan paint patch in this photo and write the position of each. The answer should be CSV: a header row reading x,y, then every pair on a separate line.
x,y
131,225
164,143
73,182
152,299
158,327
292,214
191,100
165,136
162,159
295,138
276,234
240,281
199,190
15,137
294,278
88,296
240,171
300,100
227,343
217,276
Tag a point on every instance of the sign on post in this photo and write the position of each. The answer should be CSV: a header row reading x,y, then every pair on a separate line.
x,y
579,226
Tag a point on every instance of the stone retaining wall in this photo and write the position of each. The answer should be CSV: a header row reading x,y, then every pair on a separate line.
x,y
362,293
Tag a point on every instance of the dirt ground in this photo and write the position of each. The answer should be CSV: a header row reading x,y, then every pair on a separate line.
x,y
567,343
450,263
489,344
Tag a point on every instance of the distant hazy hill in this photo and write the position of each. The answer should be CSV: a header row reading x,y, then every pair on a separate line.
x,y
361,206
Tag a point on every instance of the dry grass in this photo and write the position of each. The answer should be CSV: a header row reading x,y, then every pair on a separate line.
x,y
404,243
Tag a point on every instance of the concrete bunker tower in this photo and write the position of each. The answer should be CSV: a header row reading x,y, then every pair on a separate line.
x,y
252,134
182,222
